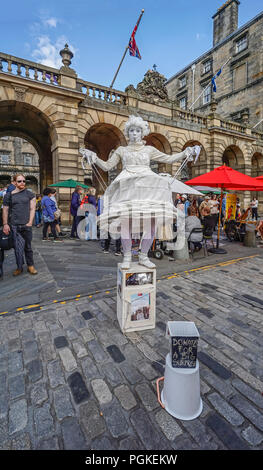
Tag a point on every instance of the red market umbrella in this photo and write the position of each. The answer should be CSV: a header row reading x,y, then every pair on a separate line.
x,y
225,177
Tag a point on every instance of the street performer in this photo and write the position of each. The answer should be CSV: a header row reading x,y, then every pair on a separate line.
x,y
138,200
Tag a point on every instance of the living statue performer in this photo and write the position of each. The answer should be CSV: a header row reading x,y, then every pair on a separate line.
x,y
137,194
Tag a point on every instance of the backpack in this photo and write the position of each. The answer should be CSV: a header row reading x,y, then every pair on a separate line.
x,y
6,241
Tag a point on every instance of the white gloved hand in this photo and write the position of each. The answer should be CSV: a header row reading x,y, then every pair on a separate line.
x,y
88,157
193,151
189,153
197,152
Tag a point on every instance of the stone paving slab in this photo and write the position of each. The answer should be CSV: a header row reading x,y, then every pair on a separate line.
x,y
69,379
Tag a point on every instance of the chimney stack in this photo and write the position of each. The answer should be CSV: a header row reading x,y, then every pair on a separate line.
x,y
225,20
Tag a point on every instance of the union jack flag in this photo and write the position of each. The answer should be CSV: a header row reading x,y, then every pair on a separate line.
x,y
133,49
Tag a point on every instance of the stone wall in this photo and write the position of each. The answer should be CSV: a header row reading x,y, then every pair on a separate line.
x,y
240,85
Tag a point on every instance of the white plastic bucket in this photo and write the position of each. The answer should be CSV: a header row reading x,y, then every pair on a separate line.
x,y
181,391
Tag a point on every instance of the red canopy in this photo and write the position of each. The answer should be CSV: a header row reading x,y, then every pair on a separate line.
x,y
226,178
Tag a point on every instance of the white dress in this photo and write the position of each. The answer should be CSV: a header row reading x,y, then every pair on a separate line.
x,y
137,191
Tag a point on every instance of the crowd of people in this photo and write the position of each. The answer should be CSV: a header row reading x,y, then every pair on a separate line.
x,y
21,209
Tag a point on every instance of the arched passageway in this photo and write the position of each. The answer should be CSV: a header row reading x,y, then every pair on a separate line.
x,y
32,183
257,165
257,170
161,143
20,119
234,158
102,139
192,170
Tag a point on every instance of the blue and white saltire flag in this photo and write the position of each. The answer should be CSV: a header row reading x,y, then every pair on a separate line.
x,y
214,80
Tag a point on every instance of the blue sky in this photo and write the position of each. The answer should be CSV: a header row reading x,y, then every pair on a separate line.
x,y
171,34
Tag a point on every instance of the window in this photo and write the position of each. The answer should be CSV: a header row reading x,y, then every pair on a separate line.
x,y
4,159
240,76
28,159
207,95
207,66
241,44
182,102
182,81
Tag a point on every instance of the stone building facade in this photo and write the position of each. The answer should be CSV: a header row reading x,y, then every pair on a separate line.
x,y
17,155
239,93
58,112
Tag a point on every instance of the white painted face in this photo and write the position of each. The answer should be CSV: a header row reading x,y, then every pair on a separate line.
x,y
135,134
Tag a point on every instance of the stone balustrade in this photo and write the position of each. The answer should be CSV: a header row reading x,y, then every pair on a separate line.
x,y
233,126
189,116
27,69
98,92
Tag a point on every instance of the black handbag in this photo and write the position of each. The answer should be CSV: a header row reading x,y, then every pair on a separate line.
x,y
6,241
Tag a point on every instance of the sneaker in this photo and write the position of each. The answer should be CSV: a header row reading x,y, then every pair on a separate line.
x,y
56,240
61,234
118,253
50,235
106,251
45,240
73,238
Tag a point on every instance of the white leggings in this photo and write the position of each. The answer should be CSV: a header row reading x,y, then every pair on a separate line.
x,y
146,241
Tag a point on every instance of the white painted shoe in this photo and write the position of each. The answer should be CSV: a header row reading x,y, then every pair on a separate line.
x,y
126,263
144,261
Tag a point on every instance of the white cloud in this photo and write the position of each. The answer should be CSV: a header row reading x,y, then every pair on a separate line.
x,y
46,41
51,22
47,52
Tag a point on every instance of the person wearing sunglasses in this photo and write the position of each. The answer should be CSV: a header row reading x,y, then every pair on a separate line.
x,y
18,216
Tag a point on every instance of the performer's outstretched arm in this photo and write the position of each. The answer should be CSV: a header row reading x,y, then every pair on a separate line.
x,y
158,156
91,158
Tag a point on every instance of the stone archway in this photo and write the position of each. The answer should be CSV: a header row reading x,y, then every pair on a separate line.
x,y
234,158
32,183
257,170
192,170
102,139
20,119
161,143
257,164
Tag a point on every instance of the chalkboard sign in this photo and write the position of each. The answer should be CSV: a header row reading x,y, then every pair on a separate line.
x,y
184,352
184,342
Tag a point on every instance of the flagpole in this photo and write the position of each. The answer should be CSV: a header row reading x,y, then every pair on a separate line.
x,y
125,52
257,123
209,84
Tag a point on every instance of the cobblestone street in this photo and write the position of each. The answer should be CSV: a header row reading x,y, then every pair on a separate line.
x,y
69,378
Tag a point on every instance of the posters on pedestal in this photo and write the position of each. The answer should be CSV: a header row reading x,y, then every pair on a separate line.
x,y
140,306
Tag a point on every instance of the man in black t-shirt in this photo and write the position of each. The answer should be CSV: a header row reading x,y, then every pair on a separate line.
x,y
18,215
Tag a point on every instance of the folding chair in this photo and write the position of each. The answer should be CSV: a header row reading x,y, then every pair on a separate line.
x,y
208,230
191,243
